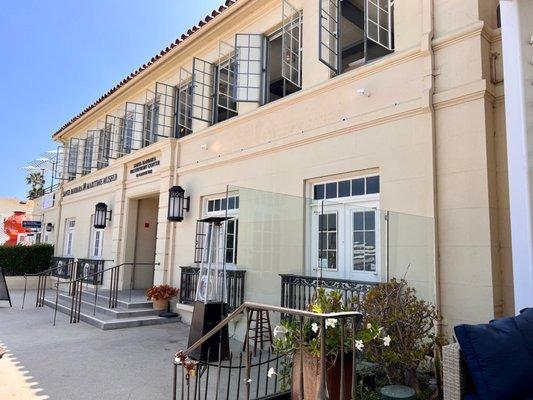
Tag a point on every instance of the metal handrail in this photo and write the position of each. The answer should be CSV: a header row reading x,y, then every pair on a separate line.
x,y
41,286
181,357
76,286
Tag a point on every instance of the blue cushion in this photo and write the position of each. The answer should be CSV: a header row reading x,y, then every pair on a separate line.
x,y
524,321
497,359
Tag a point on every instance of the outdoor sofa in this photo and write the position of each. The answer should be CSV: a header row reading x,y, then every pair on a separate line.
x,y
491,361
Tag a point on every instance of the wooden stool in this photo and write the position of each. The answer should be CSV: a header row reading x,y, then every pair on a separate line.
x,y
261,330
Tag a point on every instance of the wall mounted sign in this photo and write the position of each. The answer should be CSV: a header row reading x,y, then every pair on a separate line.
x,y
144,167
91,185
31,224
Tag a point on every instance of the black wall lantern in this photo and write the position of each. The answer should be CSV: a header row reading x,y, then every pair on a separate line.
x,y
101,216
177,203
49,227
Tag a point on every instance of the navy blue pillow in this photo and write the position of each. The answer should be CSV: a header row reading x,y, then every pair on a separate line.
x,y
524,321
497,359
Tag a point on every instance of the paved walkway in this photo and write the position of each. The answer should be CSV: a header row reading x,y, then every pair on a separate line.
x,y
78,361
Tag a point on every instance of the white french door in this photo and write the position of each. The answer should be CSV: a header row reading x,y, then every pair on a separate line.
x,y
345,242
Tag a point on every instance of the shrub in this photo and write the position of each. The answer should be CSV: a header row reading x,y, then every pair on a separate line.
x,y
411,324
20,260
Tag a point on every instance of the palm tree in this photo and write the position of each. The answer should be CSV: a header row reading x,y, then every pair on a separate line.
x,y
36,181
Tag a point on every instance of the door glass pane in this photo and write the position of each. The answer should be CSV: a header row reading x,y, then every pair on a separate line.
x,y
364,241
327,240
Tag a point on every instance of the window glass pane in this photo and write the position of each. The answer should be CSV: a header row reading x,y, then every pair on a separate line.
x,y
237,202
358,187
344,188
370,220
332,240
322,218
358,221
370,240
332,222
322,244
229,256
318,192
217,205
223,204
231,203
372,184
331,190
210,205
332,259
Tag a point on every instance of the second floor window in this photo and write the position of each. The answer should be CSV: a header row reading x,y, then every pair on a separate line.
x,y
353,32
88,154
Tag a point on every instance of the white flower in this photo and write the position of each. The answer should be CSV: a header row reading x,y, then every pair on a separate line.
x,y
280,331
359,345
271,372
177,361
369,326
386,340
248,380
314,327
331,322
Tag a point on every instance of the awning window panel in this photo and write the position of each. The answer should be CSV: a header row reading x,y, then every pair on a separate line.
x,y
184,104
329,30
379,22
73,158
133,128
103,147
226,77
291,44
88,151
203,83
60,163
248,67
114,130
163,118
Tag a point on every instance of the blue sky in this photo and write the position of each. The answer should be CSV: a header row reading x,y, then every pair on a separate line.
x,y
58,56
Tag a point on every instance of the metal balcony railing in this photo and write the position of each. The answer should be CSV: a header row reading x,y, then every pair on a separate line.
x,y
234,286
297,291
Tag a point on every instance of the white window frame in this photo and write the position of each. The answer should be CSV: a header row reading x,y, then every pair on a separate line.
x,y
68,240
231,213
96,234
344,207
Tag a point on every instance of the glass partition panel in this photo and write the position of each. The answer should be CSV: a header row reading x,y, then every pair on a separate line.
x,y
289,245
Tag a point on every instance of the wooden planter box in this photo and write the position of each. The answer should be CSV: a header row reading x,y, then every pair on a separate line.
x,y
312,371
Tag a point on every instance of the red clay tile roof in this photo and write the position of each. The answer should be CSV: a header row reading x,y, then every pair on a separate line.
x,y
152,61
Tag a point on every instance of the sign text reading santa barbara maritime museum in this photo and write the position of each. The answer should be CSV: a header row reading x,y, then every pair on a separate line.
x,y
90,185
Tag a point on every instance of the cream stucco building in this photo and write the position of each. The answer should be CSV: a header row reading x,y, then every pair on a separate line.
x,y
391,113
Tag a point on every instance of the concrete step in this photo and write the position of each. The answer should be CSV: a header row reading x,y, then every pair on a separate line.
x,y
117,313
106,322
122,301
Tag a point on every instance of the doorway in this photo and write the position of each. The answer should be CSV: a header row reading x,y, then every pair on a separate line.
x,y
145,242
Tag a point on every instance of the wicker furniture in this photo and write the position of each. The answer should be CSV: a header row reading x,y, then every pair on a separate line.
x,y
455,373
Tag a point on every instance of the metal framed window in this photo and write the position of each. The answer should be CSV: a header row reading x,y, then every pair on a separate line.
x,y
291,38
379,22
249,60
97,241
163,114
183,118
114,130
103,147
88,151
150,122
203,78
68,243
226,105
73,155
329,51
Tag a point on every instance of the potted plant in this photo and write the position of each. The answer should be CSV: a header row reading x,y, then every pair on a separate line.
x,y
161,295
304,341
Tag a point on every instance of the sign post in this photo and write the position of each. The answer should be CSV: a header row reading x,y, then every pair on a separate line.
x,y
4,291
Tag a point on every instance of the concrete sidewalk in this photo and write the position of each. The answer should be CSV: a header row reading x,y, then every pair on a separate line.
x,y
78,361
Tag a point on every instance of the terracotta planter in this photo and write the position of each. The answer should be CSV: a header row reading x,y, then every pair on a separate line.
x,y
311,374
160,304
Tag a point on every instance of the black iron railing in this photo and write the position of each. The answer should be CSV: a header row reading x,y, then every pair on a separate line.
x,y
76,287
247,376
297,291
234,286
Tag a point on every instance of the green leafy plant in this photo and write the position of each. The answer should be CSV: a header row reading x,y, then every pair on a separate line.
x,y
410,323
